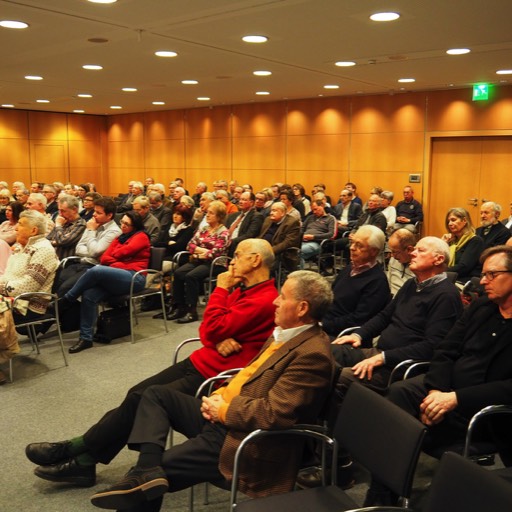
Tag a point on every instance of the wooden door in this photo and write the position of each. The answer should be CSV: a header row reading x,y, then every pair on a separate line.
x,y
465,172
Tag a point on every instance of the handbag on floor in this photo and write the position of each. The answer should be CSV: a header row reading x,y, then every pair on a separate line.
x,y
112,323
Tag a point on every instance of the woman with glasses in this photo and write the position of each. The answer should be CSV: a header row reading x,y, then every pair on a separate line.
x,y
88,205
8,227
125,256
465,245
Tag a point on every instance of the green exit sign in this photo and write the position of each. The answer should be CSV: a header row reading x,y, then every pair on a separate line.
x,y
480,92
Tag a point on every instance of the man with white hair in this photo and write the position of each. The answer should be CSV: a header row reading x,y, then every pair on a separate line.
x,y
37,202
492,231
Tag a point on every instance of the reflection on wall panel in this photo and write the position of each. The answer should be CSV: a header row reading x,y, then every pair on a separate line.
x,y
204,123
84,153
13,124
126,127
317,152
164,125
259,153
120,176
259,120
48,125
85,127
208,153
318,116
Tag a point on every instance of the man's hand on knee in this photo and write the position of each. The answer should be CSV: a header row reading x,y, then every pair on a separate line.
x,y
435,406
365,367
353,339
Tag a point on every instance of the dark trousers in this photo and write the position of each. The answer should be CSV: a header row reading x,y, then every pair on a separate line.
x,y
192,462
67,277
106,439
188,283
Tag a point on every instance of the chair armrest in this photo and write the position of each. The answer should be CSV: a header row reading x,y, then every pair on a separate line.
x,y
486,411
348,330
209,383
380,509
296,430
69,260
181,345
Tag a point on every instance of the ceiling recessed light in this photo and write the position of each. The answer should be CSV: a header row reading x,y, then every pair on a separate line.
x,y
262,73
78,111
189,82
458,51
158,102
7,105
43,101
504,72
406,80
129,89
203,98
165,53
115,107
93,67
331,86
345,63
255,39
103,1
385,16
262,93
33,77
13,24
84,95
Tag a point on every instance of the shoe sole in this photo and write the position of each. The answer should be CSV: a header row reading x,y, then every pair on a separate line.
x,y
123,499
78,481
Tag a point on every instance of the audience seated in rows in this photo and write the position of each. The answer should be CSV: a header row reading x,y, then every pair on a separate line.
x,y
127,254
151,225
401,244
317,227
346,212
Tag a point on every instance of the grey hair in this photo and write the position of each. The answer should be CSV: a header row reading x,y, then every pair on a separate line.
x,y
387,194
142,200
70,200
39,198
208,195
315,290
438,246
279,205
375,235
495,206
35,219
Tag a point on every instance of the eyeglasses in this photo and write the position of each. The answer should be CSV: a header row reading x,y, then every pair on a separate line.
x,y
491,274
237,255
124,223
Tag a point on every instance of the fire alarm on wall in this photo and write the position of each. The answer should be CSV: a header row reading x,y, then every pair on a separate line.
x,y
414,178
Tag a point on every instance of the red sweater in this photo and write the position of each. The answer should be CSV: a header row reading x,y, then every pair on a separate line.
x,y
247,316
132,255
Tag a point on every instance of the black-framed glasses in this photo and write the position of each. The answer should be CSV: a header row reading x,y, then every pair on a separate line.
x,y
491,274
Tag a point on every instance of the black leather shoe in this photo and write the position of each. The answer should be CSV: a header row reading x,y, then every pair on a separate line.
x,y
312,477
45,454
69,472
176,314
79,346
139,485
189,317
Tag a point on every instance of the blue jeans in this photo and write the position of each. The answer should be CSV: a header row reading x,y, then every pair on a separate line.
x,y
308,251
96,285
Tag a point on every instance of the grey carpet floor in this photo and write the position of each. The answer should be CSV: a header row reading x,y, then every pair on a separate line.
x,y
50,402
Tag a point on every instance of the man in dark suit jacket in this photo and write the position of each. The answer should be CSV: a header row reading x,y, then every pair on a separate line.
x,y
472,367
285,384
243,224
282,232
492,231
346,205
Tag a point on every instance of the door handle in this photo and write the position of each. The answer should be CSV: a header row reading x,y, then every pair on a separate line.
x,y
473,201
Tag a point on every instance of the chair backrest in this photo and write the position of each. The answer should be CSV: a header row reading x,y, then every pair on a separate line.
x,y
460,485
156,258
380,436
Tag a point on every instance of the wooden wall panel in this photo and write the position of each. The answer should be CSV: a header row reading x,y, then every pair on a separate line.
x,y
126,127
84,153
260,178
317,152
85,127
387,152
48,126
119,178
318,116
164,154
128,154
13,124
204,123
10,174
259,153
208,153
14,153
259,119
385,113
193,176
163,125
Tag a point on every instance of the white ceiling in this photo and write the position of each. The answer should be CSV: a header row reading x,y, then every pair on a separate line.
x,y
306,38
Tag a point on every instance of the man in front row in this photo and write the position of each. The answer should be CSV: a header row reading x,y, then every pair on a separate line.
x,y
471,368
237,321
286,384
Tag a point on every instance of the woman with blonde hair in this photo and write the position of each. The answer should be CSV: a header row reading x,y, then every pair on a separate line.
x,y
465,245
